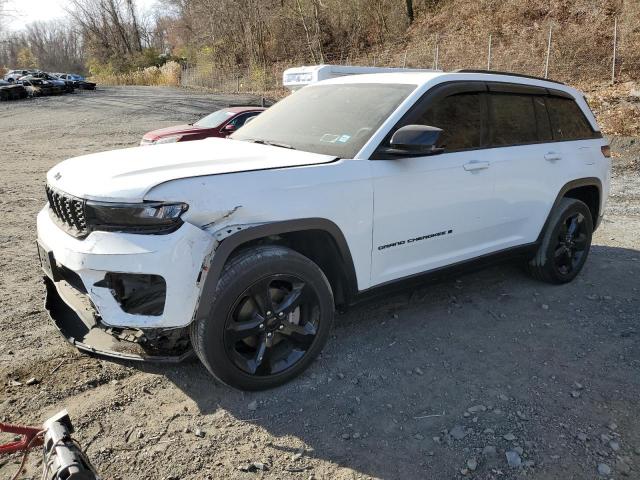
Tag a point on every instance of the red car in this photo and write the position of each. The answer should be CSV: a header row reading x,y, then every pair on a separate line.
x,y
217,124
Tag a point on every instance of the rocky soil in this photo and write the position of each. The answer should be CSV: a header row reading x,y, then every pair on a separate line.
x,y
490,375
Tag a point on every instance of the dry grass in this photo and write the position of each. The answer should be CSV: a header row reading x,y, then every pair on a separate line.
x,y
166,75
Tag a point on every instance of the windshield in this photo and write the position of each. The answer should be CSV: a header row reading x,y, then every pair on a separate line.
x,y
335,119
214,119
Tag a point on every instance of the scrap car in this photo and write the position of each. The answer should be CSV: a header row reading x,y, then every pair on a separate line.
x,y
243,248
12,91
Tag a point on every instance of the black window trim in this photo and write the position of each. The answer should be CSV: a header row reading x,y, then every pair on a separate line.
x,y
485,88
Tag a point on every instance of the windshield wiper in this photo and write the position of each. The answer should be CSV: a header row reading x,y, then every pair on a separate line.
x,y
272,144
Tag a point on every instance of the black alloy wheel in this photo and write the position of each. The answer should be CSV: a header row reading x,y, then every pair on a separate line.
x,y
268,319
272,325
565,243
572,244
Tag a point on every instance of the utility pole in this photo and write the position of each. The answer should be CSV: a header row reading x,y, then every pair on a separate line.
x,y
546,65
615,50
489,55
436,54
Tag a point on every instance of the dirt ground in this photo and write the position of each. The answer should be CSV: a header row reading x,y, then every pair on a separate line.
x,y
443,381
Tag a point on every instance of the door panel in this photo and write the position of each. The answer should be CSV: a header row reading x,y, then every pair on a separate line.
x,y
430,212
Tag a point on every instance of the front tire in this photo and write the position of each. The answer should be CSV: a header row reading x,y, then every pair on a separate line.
x,y
271,316
565,245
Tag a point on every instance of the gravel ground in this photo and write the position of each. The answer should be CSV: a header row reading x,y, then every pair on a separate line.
x,y
491,375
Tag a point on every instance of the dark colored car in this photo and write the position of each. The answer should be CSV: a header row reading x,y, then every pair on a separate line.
x,y
11,91
78,80
67,85
217,124
38,87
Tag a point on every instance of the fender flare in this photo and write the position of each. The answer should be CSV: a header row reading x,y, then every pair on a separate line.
x,y
229,244
580,182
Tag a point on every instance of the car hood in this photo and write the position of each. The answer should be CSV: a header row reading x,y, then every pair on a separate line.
x,y
127,175
175,130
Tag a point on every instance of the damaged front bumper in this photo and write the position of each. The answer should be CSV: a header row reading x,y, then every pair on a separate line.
x,y
124,295
78,322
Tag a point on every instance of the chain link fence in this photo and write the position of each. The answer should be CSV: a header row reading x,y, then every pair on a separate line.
x,y
549,51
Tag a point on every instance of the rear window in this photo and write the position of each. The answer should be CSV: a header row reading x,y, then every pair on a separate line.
x,y
567,120
512,119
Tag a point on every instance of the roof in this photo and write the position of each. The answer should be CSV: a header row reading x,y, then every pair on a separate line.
x,y
245,109
421,79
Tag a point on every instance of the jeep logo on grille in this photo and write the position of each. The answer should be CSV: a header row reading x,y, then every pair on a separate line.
x,y
57,176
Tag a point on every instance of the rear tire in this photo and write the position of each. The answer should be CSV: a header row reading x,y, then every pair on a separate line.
x,y
565,245
270,317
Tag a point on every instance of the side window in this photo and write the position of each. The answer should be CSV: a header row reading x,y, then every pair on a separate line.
x,y
542,120
567,120
460,118
512,119
239,120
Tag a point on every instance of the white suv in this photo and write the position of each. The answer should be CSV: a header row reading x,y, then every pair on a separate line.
x,y
243,247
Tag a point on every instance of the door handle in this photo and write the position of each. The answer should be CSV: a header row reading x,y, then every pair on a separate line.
x,y
552,156
475,165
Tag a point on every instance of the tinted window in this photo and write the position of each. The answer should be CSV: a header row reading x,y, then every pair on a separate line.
x,y
240,120
512,119
460,118
567,120
542,120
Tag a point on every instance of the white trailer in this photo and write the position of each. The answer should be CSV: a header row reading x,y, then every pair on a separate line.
x,y
298,77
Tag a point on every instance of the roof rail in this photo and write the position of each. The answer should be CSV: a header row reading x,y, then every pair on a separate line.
x,y
496,72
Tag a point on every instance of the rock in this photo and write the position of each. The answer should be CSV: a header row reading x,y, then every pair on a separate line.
x,y
518,450
578,386
341,376
582,437
477,408
529,464
509,437
466,414
417,436
198,433
522,416
575,394
503,397
545,306
623,467
615,446
296,456
472,464
418,371
253,405
356,435
32,381
489,451
604,438
497,411
458,432
513,459
488,431
260,466
14,383
604,469
612,426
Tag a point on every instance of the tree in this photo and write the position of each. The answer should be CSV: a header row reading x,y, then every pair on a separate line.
x,y
26,58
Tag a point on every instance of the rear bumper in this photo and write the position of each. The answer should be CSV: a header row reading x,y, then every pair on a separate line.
x,y
78,322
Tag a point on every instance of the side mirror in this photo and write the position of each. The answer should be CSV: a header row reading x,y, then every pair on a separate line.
x,y
415,141
230,127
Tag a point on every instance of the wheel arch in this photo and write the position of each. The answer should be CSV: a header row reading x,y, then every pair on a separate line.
x,y
587,190
318,239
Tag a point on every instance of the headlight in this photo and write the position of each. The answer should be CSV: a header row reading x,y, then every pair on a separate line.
x,y
168,140
147,217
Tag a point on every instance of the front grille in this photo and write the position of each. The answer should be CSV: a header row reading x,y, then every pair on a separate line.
x,y
68,210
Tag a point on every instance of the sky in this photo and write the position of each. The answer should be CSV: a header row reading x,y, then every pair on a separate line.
x,y
26,11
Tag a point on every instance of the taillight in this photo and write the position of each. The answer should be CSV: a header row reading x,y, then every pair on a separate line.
x,y
606,151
